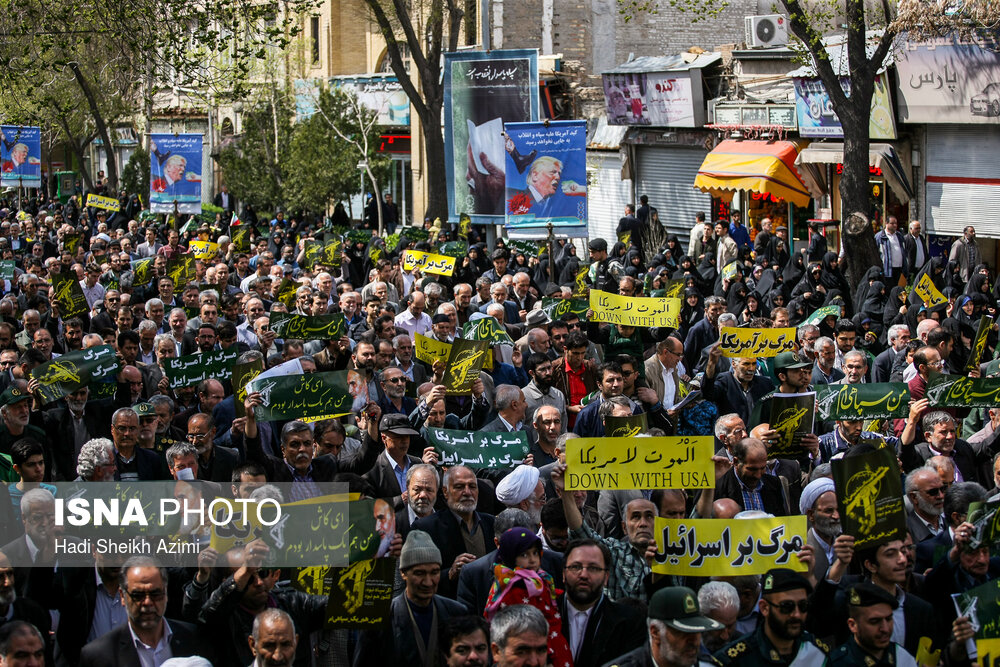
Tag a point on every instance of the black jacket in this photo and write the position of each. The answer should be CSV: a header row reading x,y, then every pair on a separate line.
x,y
724,389
394,643
965,459
882,368
829,618
383,478
116,649
446,533
230,624
58,426
612,630
323,467
772,493
224,461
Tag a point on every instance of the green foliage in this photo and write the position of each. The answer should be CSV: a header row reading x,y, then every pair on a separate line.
x,y
323,168
257,165
78,67
135,175
309,167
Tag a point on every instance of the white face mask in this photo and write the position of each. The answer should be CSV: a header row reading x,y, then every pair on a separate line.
x,y
186,474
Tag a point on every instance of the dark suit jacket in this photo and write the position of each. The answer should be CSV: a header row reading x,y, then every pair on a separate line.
x,y
830,616
772,493
419,372
225,460
725,389
58,425
612,630
393,643
116,649
101,321
910,253
511,311
444,530
819,378
476,578
384,480
151,466
929,552
917,528
323,467
965,459
882,368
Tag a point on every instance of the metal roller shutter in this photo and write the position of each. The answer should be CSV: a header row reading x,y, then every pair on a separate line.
x,y
607,194
667,175
962,185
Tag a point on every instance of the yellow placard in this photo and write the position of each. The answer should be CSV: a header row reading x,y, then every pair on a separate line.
x,y
640,463
634,311
428,262
429,350
928,292
728,547
107,203
737,342
203,249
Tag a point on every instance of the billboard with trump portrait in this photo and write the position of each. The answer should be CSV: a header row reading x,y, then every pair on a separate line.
x,y
483,91
546,178
20,156
175,173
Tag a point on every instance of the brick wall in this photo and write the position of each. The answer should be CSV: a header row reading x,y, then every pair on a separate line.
x,y
594,36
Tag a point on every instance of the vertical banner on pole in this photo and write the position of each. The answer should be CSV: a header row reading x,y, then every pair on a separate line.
x,y
483,91
175,173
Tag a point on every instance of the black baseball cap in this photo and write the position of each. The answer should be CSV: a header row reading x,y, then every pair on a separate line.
x,y
397,424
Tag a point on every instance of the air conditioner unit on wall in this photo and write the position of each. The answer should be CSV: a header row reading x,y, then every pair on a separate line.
x,y
764,31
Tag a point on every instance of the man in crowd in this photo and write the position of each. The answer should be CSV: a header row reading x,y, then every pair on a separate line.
x,y
351,390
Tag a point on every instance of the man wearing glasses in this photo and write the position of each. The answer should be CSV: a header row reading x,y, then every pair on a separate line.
x,y
134,463
926,493
147,638
597,629
394,385
214,464
784,606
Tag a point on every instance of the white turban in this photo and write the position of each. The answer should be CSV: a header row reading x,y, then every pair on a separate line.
x,y
813,491
518,485
193,661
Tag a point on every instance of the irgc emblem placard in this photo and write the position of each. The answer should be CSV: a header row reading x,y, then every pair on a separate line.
x,y
870,497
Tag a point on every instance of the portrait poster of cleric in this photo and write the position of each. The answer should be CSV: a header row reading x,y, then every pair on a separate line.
x,y
483,92
20,156
546,173
175,173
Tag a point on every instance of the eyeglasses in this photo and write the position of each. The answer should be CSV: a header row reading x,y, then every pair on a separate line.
x,y
936,491
197,437
786,607
395,380
577,568
140,596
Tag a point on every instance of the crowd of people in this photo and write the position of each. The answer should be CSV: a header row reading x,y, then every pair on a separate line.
x,y
495,565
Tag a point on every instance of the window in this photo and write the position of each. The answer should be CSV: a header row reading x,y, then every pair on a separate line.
x,y
314,38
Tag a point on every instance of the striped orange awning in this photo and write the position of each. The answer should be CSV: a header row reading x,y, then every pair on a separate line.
x,y
767,167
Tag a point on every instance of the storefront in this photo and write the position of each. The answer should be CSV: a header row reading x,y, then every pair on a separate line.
x,y
662,101
608,183
962,182
889,184
664,173
761,180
